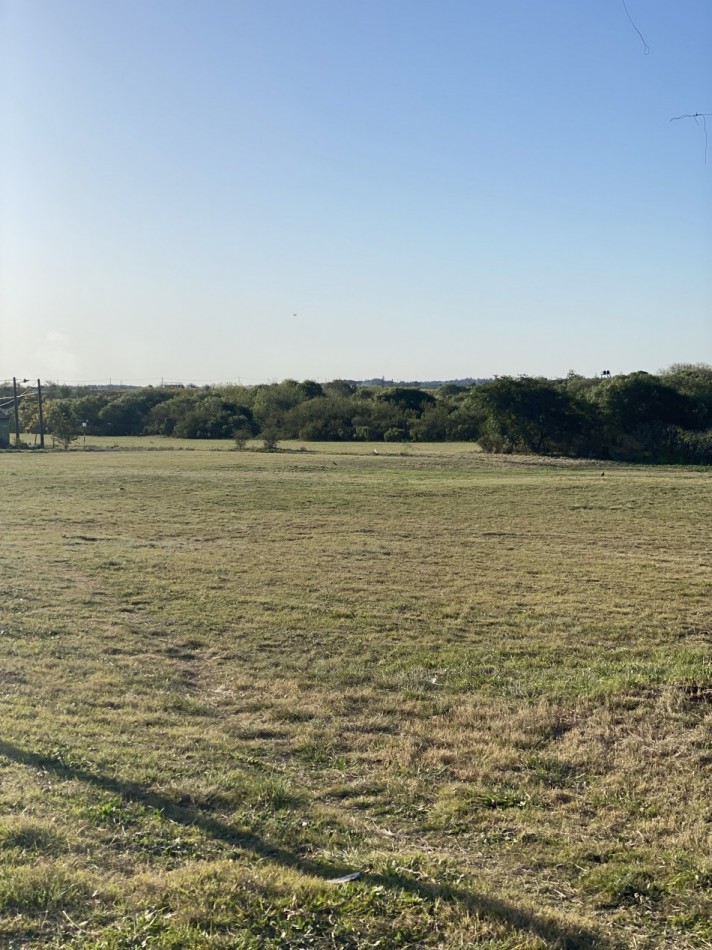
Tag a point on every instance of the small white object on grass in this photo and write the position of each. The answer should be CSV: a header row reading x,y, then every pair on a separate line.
x,y
345,879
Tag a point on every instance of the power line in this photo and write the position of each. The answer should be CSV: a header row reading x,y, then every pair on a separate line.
x,y
696,116
156,381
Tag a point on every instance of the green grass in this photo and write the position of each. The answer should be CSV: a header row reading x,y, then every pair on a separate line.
x,y
483,683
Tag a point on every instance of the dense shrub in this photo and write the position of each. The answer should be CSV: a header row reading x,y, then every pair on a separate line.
x,y
638,417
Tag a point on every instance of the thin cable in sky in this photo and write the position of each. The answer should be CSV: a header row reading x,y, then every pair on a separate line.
x,y
696,116
646,48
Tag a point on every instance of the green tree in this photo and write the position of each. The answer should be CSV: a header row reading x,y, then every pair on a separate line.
x,y
378,415
693,380
88,408
198,414
62,422
311,389
29,416
531,415
128,413
640,399
640,414
340,387
273,402
270,438
326,419
432,424
413,400
241,433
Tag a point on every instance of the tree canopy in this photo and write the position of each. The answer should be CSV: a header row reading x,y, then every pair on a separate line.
x,y
639,416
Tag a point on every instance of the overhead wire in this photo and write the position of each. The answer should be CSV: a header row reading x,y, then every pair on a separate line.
x,y
696,116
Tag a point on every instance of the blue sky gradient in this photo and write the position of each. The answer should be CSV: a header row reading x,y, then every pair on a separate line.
x,y
435,189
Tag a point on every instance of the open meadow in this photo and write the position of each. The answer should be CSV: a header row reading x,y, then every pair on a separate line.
x,y
483,683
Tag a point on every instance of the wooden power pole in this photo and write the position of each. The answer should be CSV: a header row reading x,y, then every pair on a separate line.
x,y
39,402
17,415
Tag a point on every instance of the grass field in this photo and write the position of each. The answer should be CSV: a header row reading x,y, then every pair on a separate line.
x,y
484,684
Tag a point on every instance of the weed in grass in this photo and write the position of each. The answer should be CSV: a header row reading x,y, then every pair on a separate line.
x,y
620,887
44,888
26,836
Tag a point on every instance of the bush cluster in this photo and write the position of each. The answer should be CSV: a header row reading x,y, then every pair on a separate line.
x,y
635,417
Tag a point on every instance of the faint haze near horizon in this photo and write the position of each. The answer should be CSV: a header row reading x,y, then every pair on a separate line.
x,y
262,189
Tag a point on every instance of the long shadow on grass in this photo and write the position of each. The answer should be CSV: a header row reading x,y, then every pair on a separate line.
x,y
547,928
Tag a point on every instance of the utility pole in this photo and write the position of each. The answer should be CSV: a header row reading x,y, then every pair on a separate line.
x,y
39,401
17,418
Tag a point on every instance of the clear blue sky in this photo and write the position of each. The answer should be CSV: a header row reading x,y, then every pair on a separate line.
x,y
257,189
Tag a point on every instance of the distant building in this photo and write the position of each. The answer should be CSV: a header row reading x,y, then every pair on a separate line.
x,y
4,430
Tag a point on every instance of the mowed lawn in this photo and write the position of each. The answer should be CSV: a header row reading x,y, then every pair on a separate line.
x,y
484,684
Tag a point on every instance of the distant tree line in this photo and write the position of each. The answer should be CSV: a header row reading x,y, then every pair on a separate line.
x,y
637,417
